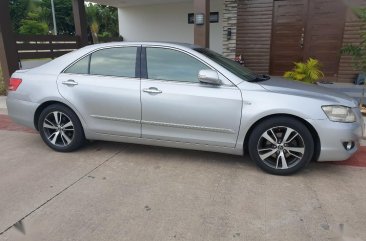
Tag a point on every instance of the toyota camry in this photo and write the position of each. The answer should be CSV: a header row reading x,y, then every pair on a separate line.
x,y
183,96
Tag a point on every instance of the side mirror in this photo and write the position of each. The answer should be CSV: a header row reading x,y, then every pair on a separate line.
x,y
209,76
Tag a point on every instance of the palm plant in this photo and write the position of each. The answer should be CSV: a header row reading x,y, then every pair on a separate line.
x,y
94,28
92,18
308,72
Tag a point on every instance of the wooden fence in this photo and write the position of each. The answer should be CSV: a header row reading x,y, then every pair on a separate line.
x,y
45,46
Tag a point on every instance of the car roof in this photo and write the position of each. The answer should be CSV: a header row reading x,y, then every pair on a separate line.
x,y
167,44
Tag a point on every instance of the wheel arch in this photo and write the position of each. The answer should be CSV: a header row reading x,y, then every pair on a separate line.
x,y
47,103
314,133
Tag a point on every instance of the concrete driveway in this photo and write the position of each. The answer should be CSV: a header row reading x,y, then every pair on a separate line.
x,y
114,191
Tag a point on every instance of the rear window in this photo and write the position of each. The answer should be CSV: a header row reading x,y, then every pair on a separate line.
x,y
80,67
119,62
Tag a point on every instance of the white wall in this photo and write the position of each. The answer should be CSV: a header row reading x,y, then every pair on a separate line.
x,y
166,22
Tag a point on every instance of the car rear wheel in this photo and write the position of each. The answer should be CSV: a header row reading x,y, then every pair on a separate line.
x,y
60,128
281,145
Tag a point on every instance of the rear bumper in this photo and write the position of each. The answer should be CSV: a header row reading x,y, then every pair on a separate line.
x,y
332,136
21,111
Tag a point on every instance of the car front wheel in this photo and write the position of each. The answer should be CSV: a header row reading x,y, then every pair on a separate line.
x,y
281,145
60,128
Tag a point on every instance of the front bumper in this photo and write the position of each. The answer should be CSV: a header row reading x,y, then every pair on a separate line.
x,y
21,111
332,136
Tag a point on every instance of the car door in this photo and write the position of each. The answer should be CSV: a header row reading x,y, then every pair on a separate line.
x,y
104,87
177,107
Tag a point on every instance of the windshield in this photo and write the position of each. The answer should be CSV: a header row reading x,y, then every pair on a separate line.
x,y
234,67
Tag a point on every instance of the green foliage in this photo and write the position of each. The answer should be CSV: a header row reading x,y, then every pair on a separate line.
x,y
2,84
64,16
40,11
18,12
33,23
306,72
94,28
108,20
358,51
33,27
105,35
105,16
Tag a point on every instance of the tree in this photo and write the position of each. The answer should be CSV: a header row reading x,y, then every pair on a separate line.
x,y
18,12
26,13
33,27
33,23
94,28
108,19
64,17
105,17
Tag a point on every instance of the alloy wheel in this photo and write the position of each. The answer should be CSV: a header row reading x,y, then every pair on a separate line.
x,y
281,147
58,128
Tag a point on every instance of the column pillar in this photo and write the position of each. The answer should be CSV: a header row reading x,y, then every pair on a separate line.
x,y
80,21
202,32
8,48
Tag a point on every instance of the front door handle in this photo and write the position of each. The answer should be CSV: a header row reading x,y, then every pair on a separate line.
x,y
152,90
69,82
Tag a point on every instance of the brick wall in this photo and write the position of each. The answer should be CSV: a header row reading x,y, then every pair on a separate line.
x,y
230,21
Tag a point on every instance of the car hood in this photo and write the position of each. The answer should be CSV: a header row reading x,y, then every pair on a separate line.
x,y
290,87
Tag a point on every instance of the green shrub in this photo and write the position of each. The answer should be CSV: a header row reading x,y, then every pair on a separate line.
x,y
2,84
308,72
33,27
105,35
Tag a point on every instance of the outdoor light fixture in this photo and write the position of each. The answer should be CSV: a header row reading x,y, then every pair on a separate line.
x,y
214,17
228,34
199,19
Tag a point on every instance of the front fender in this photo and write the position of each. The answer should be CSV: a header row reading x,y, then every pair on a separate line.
x,y
258,105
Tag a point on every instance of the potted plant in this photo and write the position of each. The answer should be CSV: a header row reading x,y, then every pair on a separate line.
x,y
308,72
358,51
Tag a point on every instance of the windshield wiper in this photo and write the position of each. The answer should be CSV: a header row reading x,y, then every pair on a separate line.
x,y
260,77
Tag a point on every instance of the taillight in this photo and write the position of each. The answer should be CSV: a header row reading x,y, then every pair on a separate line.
x,y
14,84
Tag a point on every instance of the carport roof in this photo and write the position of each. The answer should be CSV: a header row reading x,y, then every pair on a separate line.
x,y
127,3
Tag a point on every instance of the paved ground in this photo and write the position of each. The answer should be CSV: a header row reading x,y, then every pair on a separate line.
x,y
3,109
114,191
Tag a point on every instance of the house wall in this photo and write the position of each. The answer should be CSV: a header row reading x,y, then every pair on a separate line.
x,y
230,21
167,22
254,34
347,72
250,21
253,39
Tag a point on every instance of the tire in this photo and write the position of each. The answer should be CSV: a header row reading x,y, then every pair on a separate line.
x,y
281,145
60,128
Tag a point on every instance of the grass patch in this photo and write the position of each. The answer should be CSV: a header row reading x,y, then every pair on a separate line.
x,y
2,84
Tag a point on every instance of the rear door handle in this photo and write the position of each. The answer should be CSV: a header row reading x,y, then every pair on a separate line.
x,y
152,90
69,82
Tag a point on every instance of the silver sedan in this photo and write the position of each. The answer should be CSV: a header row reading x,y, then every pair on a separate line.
x,y
183,96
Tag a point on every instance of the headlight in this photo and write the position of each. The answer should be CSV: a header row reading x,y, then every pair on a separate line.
x,y
339,113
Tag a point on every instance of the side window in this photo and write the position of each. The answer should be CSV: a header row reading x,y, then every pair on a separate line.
x,y
80,67
167,64
120,62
